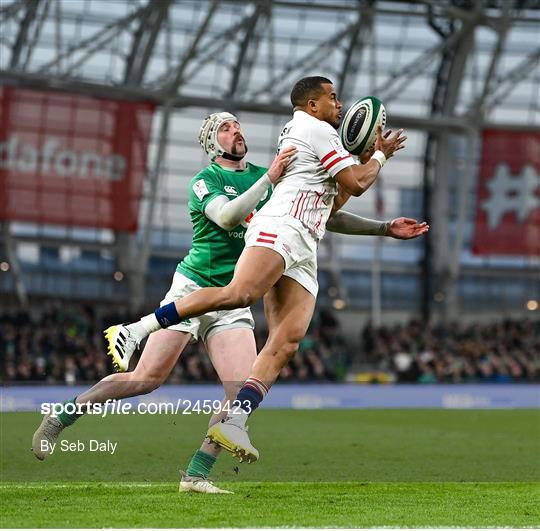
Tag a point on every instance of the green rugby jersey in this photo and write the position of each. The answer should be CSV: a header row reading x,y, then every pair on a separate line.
x,y
215,251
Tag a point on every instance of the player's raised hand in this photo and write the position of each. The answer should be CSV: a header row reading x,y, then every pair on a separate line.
x,y
388,143
280,163
406,228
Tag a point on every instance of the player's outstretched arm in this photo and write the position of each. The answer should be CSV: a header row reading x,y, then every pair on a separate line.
x,y
229,214
356,179
400,228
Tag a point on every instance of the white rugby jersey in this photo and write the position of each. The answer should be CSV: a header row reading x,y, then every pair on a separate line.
x,y
307,189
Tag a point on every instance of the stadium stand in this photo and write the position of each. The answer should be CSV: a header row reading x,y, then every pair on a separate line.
x,y
64,344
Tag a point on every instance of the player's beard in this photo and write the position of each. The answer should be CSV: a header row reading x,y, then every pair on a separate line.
x,y
238,152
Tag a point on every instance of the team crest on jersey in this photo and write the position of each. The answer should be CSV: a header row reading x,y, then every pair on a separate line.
x,y
338,146
200,189
231,190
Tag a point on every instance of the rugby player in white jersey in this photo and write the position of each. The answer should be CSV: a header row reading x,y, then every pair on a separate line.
x,y
218,212
279,260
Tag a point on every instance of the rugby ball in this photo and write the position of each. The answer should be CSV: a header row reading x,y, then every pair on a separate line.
x,y
359,125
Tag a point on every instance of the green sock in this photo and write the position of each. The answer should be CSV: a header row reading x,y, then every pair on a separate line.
x,y
67,419
200,465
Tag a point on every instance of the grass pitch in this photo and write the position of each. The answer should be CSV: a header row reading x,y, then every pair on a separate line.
x,y
331,468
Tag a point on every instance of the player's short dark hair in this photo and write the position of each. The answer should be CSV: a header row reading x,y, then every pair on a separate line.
x,y
308,88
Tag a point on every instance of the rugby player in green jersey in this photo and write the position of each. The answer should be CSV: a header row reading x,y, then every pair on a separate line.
x,y
222,199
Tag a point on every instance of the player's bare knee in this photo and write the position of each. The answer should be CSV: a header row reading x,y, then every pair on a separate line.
x,y
146,386
152,384
147,382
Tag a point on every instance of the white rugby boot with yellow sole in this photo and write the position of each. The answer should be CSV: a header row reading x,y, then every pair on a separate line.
x,y
121,344
234,438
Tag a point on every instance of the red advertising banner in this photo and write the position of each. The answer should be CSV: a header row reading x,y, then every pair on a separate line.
x,y
508,194
72,160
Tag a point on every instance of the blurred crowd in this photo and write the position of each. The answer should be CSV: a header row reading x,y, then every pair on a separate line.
x,y
62,344
504,351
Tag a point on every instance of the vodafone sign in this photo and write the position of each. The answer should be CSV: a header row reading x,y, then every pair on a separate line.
x,y
52,159
72,160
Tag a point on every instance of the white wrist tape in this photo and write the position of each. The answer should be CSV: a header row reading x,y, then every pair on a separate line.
x,y
380,157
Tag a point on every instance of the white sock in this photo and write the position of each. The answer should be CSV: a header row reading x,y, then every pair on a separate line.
x,y
144,327
150,323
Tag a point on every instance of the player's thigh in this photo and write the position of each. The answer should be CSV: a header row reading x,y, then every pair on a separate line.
x,y
161,353
288,308
256,271
232,353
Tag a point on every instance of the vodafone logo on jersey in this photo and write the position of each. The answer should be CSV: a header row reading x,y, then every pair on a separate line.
x,y
72,160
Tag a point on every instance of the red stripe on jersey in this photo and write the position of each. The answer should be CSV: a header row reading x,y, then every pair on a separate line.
x,y
298,204
262,240
327,156
316,205
319,195
336,160
267,234
303,209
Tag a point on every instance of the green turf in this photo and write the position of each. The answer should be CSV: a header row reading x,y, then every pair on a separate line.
x,y
274,504
345,468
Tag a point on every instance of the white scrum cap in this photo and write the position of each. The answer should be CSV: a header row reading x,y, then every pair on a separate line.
x,y
208,134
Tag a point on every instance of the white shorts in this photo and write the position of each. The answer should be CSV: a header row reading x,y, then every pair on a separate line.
x,y
205,326
287,236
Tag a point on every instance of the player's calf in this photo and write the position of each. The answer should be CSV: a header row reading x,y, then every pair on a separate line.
x,y
272,358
